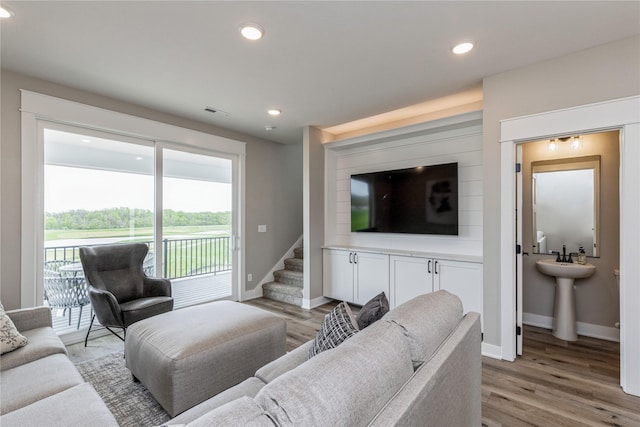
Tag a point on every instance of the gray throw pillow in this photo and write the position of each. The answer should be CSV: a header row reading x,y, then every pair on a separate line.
x,y
373,310
336,327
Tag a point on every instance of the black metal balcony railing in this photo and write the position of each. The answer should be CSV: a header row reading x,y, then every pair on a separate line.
x,y
182,257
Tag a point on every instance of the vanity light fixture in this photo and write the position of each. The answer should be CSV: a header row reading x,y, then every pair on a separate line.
x,y
5,12
553,145
274,112
251,31
576,143
462,48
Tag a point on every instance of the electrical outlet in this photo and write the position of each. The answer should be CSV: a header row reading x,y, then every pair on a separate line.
x,y
262,229
250,277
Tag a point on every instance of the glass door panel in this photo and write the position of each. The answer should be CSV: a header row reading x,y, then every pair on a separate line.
x,y
98,189
197,226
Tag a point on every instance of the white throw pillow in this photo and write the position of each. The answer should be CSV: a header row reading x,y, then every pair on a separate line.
x,y
10,338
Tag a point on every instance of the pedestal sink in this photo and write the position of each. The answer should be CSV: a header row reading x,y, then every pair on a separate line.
x,y
564,312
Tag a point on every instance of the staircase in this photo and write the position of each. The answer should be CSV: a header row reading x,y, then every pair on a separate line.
x,y
288,283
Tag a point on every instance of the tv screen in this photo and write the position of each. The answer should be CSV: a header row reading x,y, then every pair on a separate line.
x,y
420,200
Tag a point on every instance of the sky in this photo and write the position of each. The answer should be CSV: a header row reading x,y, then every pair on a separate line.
x,y
68,188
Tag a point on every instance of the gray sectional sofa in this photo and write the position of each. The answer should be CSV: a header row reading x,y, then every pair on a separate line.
x,y
40,386
418,365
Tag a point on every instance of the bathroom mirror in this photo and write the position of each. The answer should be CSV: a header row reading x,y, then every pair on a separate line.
x,y
566,205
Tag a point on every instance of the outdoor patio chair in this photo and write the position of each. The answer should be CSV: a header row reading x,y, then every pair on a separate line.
x,y
65,293
120,292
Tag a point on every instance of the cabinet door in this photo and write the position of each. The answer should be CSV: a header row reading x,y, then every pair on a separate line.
x,y
410,277
371,276
463,279
337,272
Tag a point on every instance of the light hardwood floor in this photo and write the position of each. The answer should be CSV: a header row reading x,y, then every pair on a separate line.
x,y
554,383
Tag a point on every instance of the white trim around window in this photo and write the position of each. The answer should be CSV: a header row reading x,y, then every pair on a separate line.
x,y
36,108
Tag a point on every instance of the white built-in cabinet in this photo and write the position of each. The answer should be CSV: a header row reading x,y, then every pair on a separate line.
x,y
411,276
354,276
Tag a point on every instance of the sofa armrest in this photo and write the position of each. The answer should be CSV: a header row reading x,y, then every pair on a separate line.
x,y
30,318
446,389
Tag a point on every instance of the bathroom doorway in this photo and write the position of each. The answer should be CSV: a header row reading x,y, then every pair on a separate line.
x,y
567,196
619,114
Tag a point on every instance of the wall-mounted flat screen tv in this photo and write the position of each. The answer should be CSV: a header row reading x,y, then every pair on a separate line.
x,y
420,200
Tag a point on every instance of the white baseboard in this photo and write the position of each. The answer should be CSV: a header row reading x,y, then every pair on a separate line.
x,y
252,294
586,329
490,350
316,302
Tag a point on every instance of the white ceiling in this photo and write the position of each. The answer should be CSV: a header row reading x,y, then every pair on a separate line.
x,y
322,63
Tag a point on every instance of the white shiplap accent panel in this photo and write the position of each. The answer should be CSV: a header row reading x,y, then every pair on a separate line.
x,y
462,145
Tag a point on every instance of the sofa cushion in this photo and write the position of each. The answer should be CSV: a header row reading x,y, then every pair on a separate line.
x,y
241,412
43,342
426,321
249,387
25,384
10,338
336,327
283,364
373,310
76,406
343,386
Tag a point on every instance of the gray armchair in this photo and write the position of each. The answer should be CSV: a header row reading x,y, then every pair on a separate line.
x,y
120,292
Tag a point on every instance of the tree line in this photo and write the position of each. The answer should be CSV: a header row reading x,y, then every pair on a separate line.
x,y
126,217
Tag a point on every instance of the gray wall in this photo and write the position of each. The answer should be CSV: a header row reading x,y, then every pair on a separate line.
x,y
273,182
597,300
602,73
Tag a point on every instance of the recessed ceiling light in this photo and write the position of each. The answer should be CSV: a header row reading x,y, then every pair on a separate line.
x,y
5,12
139,158
251,31
461,48
274,112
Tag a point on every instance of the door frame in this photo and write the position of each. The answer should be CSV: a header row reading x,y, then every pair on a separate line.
x,y
36,107
620,114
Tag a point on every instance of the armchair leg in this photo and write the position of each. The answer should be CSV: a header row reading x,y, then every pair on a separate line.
x,y
89,330
86,338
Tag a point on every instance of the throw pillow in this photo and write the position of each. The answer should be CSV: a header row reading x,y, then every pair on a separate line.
x,y
336,327
373,310
10,338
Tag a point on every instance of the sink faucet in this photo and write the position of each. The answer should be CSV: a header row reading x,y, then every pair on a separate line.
x,y
564,255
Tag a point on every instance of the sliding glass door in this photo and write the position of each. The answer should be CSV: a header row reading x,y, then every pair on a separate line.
x,y
98,189
197,226
102,188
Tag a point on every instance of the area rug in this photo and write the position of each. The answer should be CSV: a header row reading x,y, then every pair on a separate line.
x,y
130,402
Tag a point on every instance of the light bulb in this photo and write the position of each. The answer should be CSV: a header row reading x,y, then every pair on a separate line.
x,y
251,31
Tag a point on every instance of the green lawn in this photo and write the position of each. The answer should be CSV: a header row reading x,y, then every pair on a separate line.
x,y
125,232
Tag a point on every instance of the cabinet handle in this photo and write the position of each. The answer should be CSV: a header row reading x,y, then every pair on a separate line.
x,y
350,257
355,258
435,267
429,267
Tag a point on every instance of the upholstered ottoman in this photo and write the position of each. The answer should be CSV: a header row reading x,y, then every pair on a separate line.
x,y
186,356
